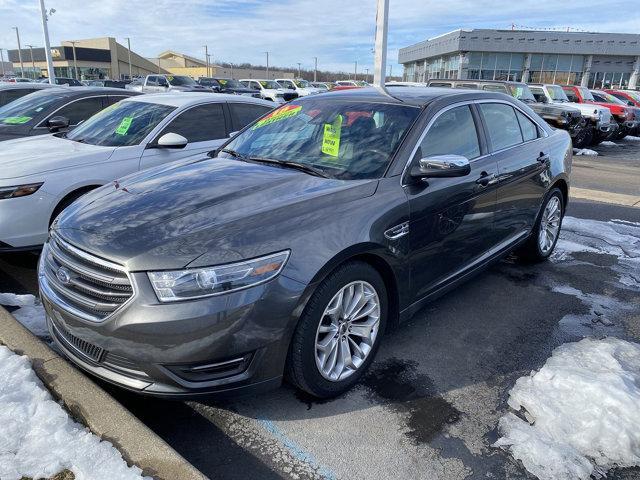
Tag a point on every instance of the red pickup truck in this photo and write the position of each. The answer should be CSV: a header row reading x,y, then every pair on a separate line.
x,y
622,114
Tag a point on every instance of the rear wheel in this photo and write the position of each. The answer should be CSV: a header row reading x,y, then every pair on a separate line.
x,y
339,332
546,231
584,138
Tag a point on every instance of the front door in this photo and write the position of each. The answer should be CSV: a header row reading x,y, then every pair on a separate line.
x,y
204,127
452,219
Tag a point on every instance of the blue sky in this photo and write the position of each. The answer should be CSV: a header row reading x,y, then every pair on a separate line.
x,y
338,32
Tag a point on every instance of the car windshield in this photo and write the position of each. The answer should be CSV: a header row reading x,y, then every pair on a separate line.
x,y
269,84
302,83
586,94
522,92
180,80
230,83
122,124
610,98
23,110
634,95
343,140
557,93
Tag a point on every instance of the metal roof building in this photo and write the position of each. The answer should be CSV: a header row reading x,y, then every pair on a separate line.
x,y
577,58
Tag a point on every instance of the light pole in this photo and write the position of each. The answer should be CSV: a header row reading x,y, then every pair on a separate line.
x,y
267,64
209,64
315,69
2,61
382,25
366,78
299,74
75,62
206,56
33,63
19,51
355,72
129,50
47,45
390,71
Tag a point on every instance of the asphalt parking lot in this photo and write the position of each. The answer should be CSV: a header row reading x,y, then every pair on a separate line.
x,y
430,406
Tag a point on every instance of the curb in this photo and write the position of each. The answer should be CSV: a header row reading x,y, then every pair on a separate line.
x,y
95,408
605,197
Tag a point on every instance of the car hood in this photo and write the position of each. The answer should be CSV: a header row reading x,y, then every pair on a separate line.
x,y
224,209
34,155
553,108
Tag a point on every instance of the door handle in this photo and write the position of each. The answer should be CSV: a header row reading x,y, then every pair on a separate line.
x,y
544,158
486,179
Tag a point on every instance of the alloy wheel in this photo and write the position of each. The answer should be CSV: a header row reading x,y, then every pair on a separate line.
x,y
347,331
549,225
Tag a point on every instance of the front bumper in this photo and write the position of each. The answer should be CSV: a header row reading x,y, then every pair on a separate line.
x,y
24,221
223,345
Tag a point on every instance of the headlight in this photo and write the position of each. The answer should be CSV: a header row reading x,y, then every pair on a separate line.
x,y
175,285
19,190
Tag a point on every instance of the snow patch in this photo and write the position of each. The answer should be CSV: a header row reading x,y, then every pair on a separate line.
x,y
632,138
585,152
30,312
38,439
582,409
609,144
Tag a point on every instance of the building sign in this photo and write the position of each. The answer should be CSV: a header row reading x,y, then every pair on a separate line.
x,y
55,53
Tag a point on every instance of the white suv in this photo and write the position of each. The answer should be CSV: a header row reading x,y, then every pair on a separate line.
x,y
40,176
301,87
270,90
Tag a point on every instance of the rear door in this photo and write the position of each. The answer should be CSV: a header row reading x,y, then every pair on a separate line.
x,y
452,219
205,126
517,146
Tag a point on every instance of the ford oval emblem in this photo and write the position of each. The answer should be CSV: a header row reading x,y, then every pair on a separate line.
x,y
63,275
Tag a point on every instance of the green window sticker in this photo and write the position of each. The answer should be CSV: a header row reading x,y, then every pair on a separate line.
x,y
124,126
331,137
15,120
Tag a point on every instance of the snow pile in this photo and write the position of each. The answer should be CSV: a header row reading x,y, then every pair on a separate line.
x,y
38,439
30,314
583,412
585,152
632,138
609,144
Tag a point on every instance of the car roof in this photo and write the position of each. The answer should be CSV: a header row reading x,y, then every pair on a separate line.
x,y
23,85
186,99
255,80
414,96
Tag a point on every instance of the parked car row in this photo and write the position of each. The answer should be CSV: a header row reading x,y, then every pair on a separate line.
x,y
590,116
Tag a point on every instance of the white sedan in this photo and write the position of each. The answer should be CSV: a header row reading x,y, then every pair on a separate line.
x,y
40,176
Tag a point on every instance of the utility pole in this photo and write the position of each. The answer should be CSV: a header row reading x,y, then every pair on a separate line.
x,y
366,78
355,72
129,50
315,69
299,74
159,69
19,51
2,61
267,64
33,63
47,45
390,71
75,62
206,56
382,24
210,64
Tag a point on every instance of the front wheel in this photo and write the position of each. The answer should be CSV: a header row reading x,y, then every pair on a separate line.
x,y
546,231
339,332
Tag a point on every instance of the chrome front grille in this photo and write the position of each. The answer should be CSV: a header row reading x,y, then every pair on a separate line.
x,y
93,287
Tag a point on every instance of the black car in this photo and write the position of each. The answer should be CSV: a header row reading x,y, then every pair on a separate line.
x,y
288,252
13,91
55,110
228,85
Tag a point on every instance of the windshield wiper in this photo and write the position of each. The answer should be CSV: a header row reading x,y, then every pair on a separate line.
x,y
298,166
234,154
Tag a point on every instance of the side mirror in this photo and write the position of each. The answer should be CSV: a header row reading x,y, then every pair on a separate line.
x,y
441,166
172,140
233,134
57,123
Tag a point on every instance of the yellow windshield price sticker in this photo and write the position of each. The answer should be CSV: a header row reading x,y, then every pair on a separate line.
x,y
331,137
278,115
124,126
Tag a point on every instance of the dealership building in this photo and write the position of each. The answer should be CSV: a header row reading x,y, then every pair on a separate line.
x,y
575,58
93,58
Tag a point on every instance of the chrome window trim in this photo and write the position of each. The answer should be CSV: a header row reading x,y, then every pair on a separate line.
x,y
104,95
543,132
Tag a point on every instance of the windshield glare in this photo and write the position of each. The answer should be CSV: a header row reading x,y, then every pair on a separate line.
x,y
522,92
611,99
180,80
270,84
302,83
557,93
23,110
229,83
586,94
122,124
346,140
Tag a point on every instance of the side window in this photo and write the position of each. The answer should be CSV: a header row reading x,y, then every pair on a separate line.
x,y
495,88
111,99
255,85
599,98
538,94
199,124
245,113
502,125
528,128
13,94
152,81
454,132
572,95
163,82
80,110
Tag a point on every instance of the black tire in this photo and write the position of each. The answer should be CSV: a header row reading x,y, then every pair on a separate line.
x,y
584,138
530,251
301,369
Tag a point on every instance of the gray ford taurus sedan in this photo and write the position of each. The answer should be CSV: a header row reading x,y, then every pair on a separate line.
x,y
288,252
